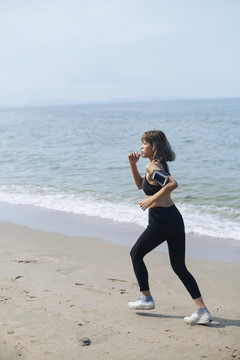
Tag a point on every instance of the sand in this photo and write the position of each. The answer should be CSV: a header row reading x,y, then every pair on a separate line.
x,y
65,298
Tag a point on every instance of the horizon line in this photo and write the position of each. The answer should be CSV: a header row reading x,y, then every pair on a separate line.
x,y
64,102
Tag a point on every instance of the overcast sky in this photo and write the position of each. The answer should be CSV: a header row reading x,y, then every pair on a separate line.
x,y
89,50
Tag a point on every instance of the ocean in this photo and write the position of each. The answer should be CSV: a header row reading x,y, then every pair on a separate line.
x,y
75,159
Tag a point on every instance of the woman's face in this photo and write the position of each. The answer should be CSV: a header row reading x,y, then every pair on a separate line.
x,y
147,150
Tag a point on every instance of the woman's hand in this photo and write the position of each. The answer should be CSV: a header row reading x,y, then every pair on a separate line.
x,y
145,203
133,157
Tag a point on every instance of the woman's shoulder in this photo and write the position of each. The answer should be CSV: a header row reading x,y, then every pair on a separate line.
x,y
154,165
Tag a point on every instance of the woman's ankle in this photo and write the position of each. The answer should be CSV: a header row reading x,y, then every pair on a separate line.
x,y
146,298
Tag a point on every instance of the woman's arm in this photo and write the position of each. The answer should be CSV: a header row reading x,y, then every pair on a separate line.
x,y
133,158
165,191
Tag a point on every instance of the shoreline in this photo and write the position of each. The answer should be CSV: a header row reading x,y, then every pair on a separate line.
x,y
58,290
65,223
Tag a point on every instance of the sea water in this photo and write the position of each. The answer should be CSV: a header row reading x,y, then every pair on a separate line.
x,y
75,159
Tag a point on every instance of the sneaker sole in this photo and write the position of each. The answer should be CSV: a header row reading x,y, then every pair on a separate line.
x,y
198,323
141,308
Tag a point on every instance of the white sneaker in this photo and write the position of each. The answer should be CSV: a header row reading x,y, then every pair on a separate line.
x,y
199,317
142,305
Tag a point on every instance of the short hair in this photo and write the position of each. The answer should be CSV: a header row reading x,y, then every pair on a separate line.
x,y
158,140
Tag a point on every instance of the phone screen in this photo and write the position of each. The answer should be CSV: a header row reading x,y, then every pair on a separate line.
x,y
160,179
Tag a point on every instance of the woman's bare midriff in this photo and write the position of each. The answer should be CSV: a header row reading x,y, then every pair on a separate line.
x,y
164,202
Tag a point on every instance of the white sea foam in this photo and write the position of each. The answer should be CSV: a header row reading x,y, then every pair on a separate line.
x,y
201,220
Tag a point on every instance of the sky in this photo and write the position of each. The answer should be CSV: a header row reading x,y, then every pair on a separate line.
x,y
104,50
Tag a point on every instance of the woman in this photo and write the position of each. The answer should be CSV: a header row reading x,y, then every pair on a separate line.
x,y
165,223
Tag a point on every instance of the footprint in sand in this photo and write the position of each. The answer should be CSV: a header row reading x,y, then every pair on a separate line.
x,y
4,299
63,271
113,280
123,291
17,277
97,291
32,298
89,288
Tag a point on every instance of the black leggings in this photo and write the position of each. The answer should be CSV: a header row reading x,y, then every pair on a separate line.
x,y
165,223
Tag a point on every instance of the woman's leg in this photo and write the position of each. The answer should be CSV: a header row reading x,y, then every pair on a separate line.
x,y
176,248
145,243
176,245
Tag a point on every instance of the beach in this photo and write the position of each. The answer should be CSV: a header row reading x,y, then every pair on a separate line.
x,y
69,216
65,297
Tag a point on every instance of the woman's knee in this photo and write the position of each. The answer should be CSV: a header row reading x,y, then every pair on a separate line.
x,y
135,253
179,269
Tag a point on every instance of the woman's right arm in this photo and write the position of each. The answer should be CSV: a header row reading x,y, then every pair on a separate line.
x,y
133,158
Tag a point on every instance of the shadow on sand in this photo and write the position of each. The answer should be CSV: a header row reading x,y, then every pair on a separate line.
x,y
215,323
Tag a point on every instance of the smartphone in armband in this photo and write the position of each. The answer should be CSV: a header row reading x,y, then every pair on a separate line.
x,y
160,177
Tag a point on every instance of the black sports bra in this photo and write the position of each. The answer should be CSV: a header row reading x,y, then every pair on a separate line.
x,y
150,189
